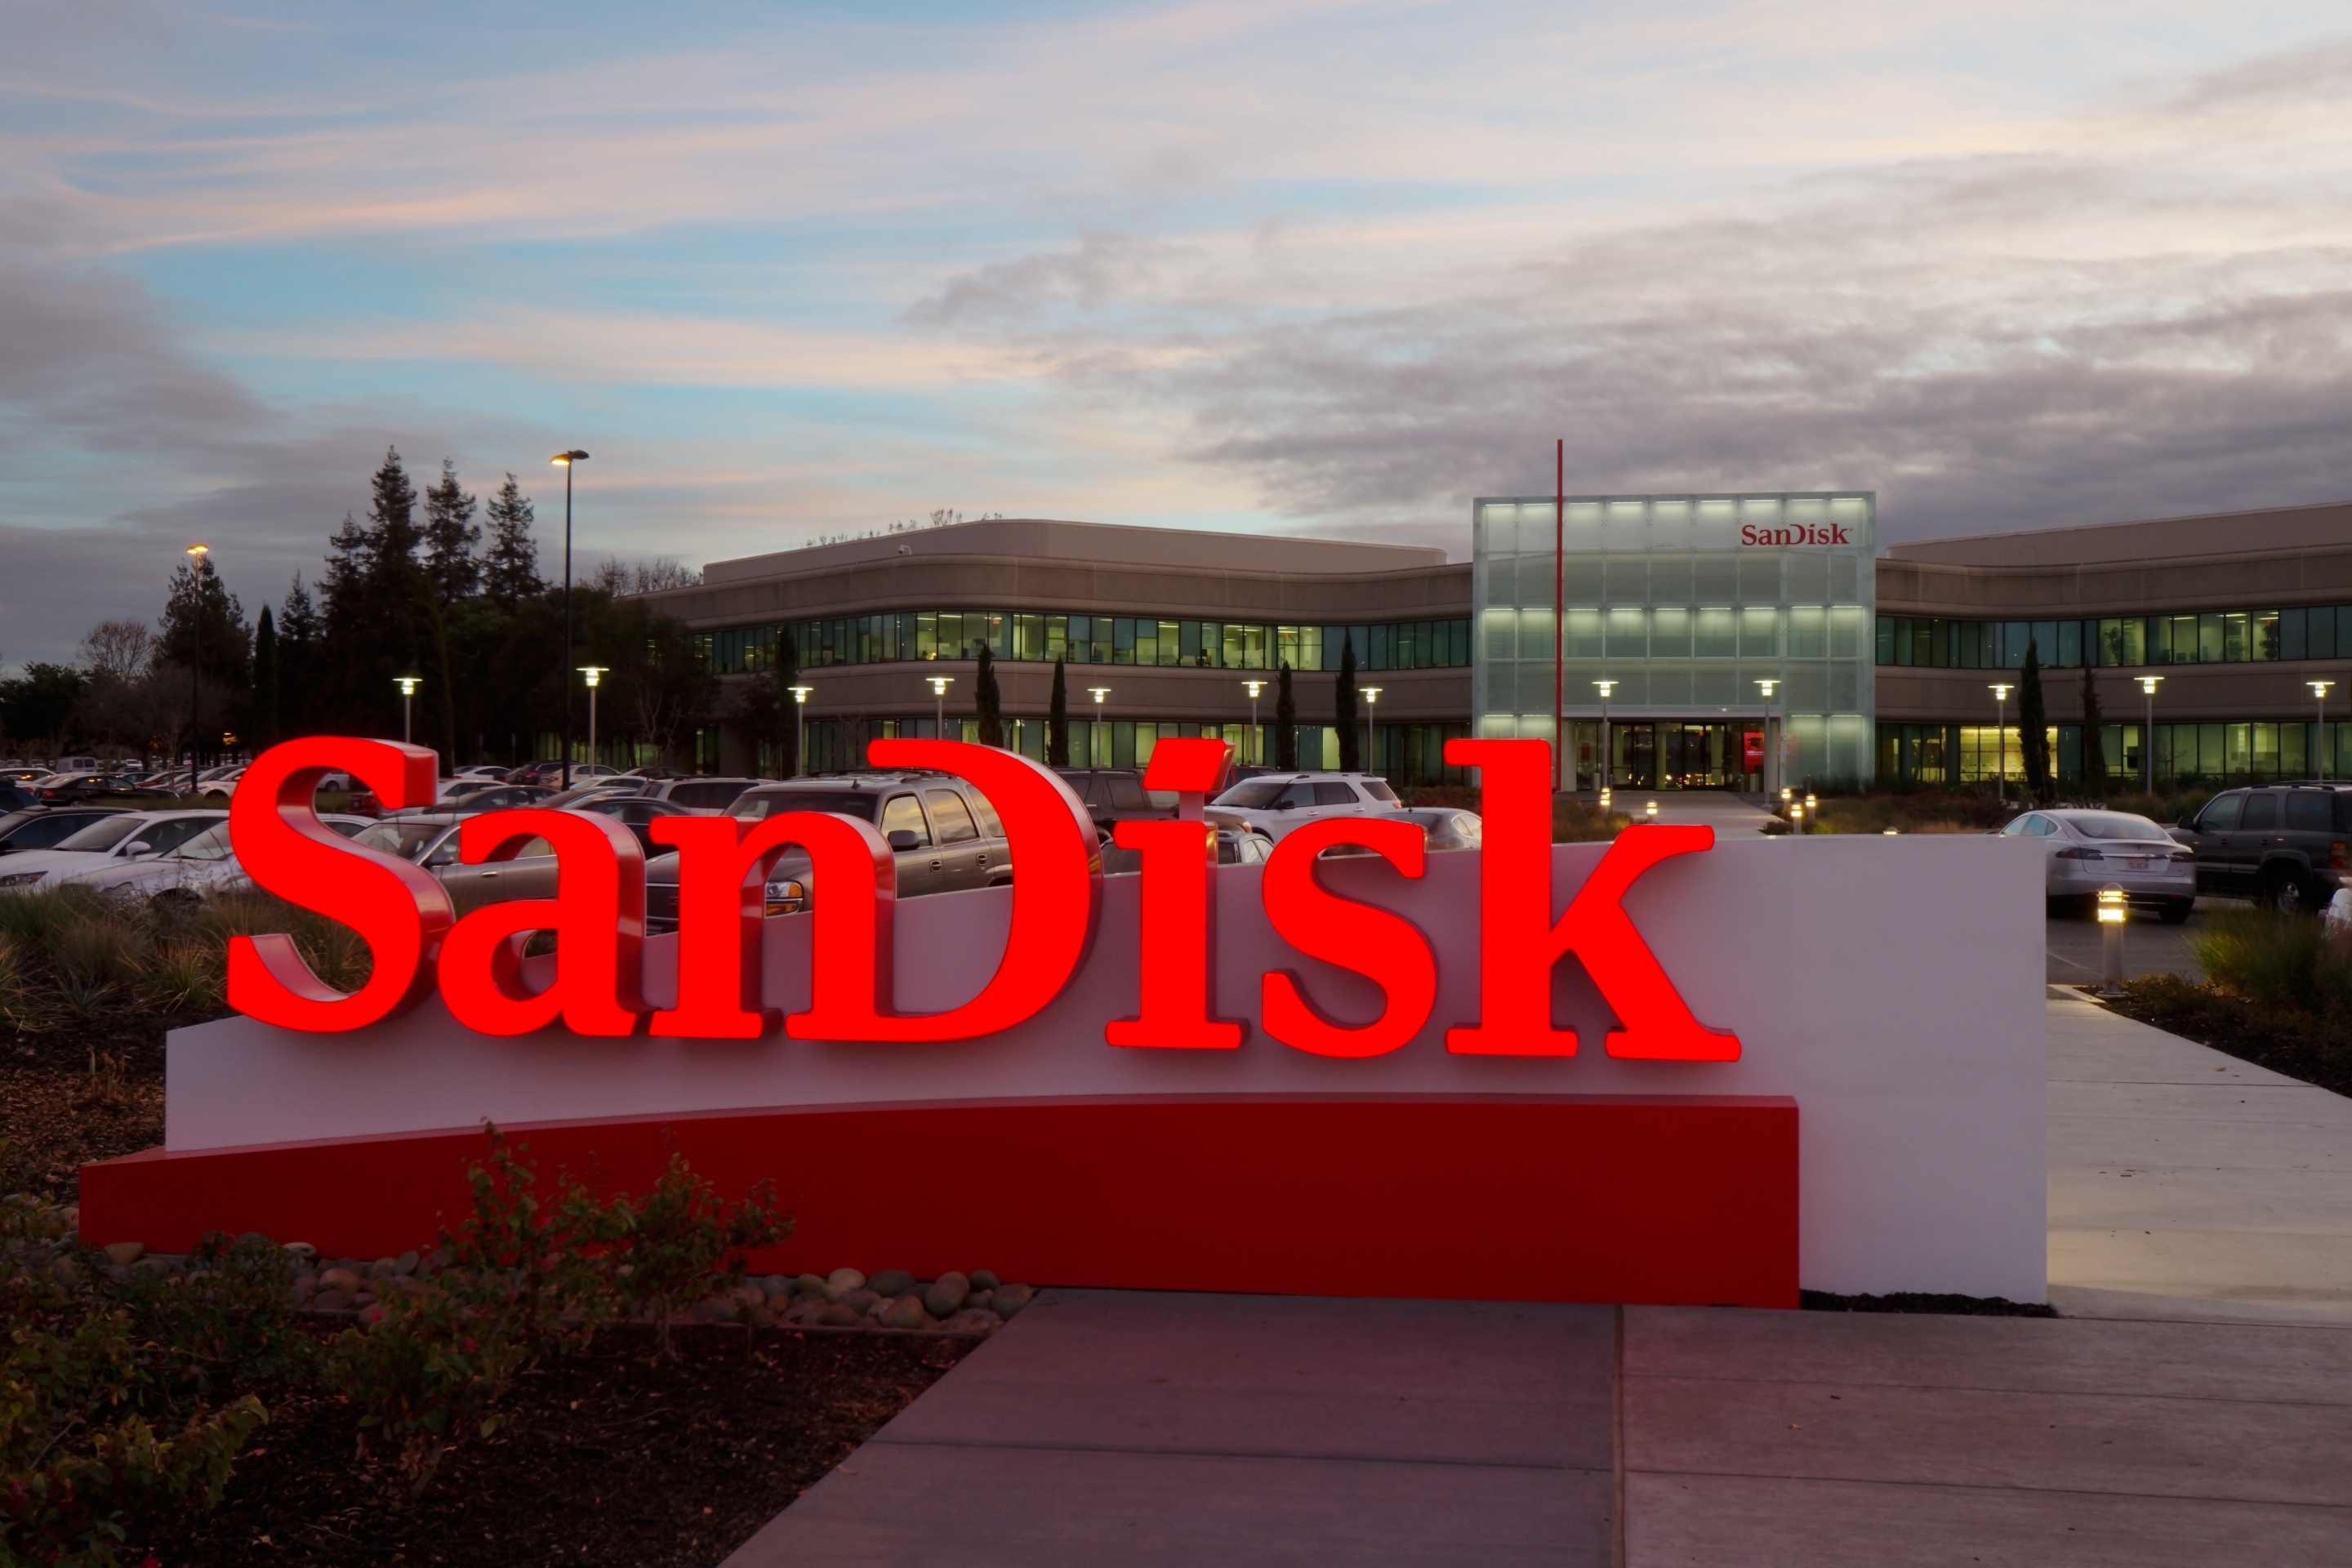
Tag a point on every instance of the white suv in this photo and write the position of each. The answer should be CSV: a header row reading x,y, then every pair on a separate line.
x,y
1275,803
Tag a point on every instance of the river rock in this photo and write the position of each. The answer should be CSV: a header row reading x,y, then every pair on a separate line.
x,y
303,1251
973,1319
405,1264
122,1254
862,1300
836,1316
842,1281
808,1285
906,1312
1008,1300
333,1300
342,1280
892,1281
945,1297
984,1280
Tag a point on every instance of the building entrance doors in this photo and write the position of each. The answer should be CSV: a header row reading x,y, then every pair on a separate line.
x,y
1689,754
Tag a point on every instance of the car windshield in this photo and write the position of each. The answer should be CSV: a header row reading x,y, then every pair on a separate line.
x,y
209,845
2114,825
405,839
842,802
1254,795
1379,790
104,834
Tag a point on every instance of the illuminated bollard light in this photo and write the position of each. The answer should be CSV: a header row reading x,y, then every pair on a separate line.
x,y
1651,811
2113,908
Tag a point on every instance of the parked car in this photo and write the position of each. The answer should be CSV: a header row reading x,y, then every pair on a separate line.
x,y
1113,795
636,814
44,827
1278,804
204,864
67,789
121,837
945,835
497,797
2282,846
1236,847
708,796
2084,850
432,842
14,799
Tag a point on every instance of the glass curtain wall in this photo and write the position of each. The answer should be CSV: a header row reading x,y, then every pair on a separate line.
x,y
1684,605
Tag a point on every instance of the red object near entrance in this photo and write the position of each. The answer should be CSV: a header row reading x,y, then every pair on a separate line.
x,y
1751,752
1687,1200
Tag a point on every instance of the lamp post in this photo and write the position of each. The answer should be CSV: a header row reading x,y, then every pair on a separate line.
x,y
799,726
2148,735
1772,742
595,672
1098,693
2001,738
565,460
2319,690
407,684
1372,745
1257,749
1606,688
939,684
196,553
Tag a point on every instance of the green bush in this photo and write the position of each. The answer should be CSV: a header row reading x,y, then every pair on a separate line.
x,y
2277,960
682,1240
1573,822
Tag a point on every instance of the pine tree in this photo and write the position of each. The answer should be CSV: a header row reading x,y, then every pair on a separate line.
x,y
264,680
985,700
2033,720
202,622
298,646
395,535
2095,740
1057,722
450,536
788,710
1343,710
1286,722
511,562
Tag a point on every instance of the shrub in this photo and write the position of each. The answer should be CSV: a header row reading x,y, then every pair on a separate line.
x,y
2277,960
428,1369
670,1248
1573,822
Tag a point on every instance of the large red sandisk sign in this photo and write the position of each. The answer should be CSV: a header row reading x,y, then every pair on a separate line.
x,y
477,965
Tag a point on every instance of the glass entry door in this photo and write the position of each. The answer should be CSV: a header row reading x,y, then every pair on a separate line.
x,y
1667,755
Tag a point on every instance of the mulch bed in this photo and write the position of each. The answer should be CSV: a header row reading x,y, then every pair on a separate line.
x,y
54,1123
2299,1045
1924,1301
608,1459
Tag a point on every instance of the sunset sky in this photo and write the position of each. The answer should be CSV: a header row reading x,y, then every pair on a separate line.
x,y
1329,267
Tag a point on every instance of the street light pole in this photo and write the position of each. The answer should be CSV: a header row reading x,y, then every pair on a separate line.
x,y
407,684
799,726
2148,735
196,654
1098,693
1606,688
1372,744
2000,736
595,672
564,460
2319,690
1257,749
939,684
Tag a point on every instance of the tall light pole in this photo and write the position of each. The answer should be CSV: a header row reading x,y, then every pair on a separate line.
x,y
407,684
1257,748
196,553
1606,688
1772,742
595,673
2319,690
1371,694
2148,735
564,460
1098,693
2000,734
799,726
939,684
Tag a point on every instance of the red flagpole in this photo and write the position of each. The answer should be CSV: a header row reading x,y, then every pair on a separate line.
x,y
1559,597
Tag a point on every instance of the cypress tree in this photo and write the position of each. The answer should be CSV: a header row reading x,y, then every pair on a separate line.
x,y
2033,720
264,680
1343,710
1286,722
2095,741
297,643
986,703
450,535
788,728
1057,722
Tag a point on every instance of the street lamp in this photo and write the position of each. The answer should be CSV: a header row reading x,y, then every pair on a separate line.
x,y
1257,747
939,684
2001,737
595,672
1098,693
196,553
1771,745
407,684
2148,735
564,460
1372,745
1606,688
799,726
2319,690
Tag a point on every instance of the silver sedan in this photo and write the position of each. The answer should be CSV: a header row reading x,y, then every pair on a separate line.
x,y
2085,850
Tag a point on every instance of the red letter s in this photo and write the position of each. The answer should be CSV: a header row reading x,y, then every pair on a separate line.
x,y
399,910
1373,942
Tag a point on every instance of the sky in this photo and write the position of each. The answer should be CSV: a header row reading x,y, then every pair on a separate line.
x,y
1293,266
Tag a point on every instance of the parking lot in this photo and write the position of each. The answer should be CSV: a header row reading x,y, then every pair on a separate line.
x,y
2150,947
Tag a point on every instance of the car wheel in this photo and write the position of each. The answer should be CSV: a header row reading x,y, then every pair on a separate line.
x,y
2283,892
2176,911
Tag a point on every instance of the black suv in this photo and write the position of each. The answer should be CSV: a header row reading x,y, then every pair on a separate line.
x,y
946,836
2283,844
1113,795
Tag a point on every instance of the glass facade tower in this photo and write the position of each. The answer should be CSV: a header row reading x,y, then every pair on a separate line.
x,y
1683,605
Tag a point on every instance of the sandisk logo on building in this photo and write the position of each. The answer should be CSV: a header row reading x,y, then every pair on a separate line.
x,y
476,963
1801,533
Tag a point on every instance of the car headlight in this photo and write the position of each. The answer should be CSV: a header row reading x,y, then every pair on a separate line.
x,y
22,879
785,898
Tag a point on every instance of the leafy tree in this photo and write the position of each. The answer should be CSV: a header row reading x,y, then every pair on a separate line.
x,y
1343,710
511,561
2033,719
1286,722
450,535
2095,740
1057,722
38,705
265,680
987,704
